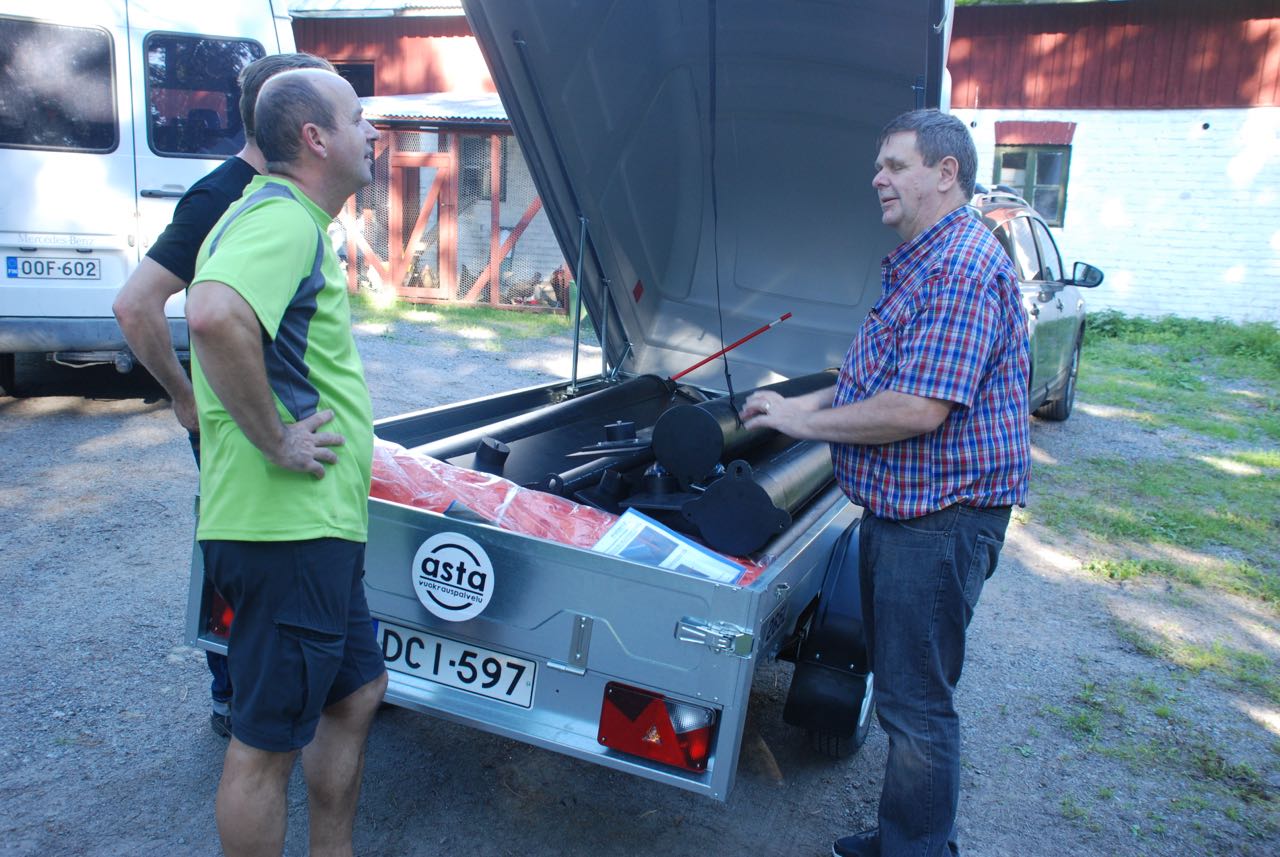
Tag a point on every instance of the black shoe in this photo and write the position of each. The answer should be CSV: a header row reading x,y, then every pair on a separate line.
x,y
220,724
864,844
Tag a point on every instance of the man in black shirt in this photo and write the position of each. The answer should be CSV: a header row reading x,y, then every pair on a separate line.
x,y
168,268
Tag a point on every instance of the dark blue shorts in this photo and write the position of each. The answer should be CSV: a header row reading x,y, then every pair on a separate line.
x,y
302,638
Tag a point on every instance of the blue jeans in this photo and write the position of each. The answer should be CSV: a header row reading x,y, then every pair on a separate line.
x,y
220,681
921,579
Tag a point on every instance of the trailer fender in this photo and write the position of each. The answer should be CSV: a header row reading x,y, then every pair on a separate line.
x,y
831,689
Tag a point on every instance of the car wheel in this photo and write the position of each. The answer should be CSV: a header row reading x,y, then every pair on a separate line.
x,y
842,746
1060,408
8,374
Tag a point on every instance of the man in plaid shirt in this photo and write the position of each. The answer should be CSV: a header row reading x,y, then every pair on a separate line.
x,y
929,431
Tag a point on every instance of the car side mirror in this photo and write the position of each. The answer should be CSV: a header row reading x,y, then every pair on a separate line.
x,y
1086,276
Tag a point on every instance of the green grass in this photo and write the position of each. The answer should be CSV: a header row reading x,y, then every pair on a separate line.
x,y
1226,513
487,325
1172,372
1072,810
1253,347
1203,510
1110,721
1250,671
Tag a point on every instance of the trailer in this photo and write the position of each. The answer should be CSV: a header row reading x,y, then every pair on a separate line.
x,y
704,167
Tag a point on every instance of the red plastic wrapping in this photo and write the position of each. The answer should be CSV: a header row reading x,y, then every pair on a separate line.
x,y
403,476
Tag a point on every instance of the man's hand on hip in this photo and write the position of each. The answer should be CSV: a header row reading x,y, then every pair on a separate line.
x,y
306,449
184,408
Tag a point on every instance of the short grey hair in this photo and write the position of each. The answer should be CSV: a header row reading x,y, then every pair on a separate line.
x,y
288,101
937,136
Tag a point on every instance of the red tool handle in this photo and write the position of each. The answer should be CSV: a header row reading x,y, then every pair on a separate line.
x,y
752,335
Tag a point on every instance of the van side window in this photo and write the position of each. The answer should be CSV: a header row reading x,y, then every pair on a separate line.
x,y
68,104
193,102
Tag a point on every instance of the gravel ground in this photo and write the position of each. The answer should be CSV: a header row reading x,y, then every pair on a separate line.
x,y
1074,741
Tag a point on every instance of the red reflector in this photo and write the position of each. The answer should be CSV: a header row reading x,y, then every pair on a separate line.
x,y
220,615
648,725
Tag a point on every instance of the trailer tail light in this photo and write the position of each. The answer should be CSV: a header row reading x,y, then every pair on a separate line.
x,y
220,615
646,724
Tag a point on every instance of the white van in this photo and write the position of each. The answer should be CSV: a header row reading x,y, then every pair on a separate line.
x,y
109,111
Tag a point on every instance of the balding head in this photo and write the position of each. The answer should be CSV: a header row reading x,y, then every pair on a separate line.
x,y
258,72
287,102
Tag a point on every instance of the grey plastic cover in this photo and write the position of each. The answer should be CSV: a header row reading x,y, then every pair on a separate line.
x,y
628,109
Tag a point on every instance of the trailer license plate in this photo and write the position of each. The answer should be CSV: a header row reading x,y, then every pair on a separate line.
x,y
463,666
52,268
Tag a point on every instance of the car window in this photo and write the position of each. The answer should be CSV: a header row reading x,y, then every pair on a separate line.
x,y
193,100
1002,235
1049,258
1025,257
68,104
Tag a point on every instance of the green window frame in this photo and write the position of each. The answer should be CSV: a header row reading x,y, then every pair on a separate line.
x,y
1039,174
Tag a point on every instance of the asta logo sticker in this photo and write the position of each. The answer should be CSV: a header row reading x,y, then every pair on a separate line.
x,y
453,577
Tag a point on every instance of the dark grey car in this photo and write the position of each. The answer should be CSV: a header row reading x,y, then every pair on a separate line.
x,y
1055,307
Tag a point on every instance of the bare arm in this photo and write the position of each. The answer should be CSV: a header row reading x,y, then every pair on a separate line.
x,y
139,307
227,338
884,418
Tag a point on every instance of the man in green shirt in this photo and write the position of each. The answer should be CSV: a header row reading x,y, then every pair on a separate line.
x,y
287,439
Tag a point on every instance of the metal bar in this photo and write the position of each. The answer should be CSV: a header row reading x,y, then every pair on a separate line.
x,y
448,220
577,305
495,218
689,440
598,406
604,330
395,219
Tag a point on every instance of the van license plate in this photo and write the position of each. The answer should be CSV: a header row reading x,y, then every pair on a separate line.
x,y
459,665
52,268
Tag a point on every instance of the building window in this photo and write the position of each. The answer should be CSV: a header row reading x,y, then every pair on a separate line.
x,y
359,75
1039,175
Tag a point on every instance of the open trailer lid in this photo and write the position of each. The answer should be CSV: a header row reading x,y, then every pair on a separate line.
x,y
719,153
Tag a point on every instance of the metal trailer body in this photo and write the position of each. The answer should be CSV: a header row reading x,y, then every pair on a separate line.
x,y
696,160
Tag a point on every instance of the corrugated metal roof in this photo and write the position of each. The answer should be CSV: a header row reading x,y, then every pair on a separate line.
x,y
483,107
372,8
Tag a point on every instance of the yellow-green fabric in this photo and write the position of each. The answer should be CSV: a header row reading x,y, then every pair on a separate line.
x,y
271,248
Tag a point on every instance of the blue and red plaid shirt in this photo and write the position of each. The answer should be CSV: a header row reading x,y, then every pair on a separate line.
x,y
949,325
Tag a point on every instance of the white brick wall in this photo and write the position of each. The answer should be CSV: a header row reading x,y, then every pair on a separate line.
x,y
1184,220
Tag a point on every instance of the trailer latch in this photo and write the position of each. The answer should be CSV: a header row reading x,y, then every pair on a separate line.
x,y
579,645
720,637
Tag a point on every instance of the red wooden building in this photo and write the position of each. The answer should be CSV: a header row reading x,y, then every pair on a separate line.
x,y
1146,131
452,214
